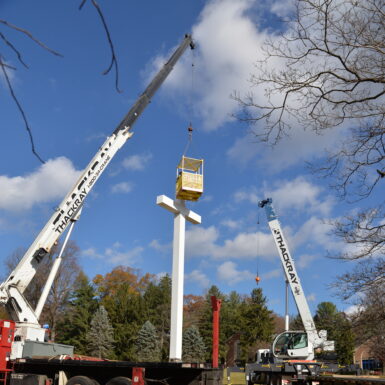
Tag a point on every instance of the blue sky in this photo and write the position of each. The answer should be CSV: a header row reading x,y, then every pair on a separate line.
x,y
72,107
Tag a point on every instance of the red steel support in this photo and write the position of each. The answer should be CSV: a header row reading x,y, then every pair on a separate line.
x,y
216,304
137,376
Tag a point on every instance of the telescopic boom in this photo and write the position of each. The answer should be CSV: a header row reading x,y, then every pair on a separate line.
x,y
11,291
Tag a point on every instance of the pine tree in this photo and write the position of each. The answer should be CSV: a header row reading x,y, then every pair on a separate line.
x,y
127,312
100,337
157,298
339,330
257,323
193,346
74,327
147,344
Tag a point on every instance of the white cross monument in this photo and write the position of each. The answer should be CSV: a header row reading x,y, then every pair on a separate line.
x,y
181,213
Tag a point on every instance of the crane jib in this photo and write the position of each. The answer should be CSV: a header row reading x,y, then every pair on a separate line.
x,y
285,256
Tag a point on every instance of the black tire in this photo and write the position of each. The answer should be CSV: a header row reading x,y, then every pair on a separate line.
x,y
274,379
119,381
80,380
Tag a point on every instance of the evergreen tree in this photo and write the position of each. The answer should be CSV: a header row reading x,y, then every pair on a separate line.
x,y
339,330
100,336
344,340
193,346
127,313
73,329
296,323
325,317
157,298
147,344
257,324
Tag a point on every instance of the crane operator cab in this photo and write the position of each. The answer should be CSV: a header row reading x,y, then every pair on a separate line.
x,y
292,344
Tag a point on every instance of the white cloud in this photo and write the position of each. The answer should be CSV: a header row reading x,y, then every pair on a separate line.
x,y
97,136
353,309
272,274
283,8
49,182
228,44
159,276
298,194
227,272
304,260
316,232
136,162
231,224
244,150
246,245
206,199
248,195
198,277
122,188
301,146
114,255
311,297
203,242
92,253
163,248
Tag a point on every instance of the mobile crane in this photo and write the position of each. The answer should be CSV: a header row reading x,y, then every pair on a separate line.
x,y
294,344
24,325
289,347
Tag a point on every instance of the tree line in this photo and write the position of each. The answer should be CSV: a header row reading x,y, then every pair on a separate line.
x,y
125,315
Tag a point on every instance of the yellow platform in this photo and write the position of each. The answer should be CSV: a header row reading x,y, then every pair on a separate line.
x,y
189,182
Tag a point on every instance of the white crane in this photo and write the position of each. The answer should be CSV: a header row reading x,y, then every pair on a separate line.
x,y
294,344
12,289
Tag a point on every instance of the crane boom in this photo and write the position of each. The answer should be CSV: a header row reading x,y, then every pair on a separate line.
x,y
289,266
294,344
11,290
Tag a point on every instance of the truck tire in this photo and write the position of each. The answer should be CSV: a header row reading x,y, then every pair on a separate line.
x,y
119,381
80,380
274,379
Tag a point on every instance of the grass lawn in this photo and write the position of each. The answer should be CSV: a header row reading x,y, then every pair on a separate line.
x,y
235,379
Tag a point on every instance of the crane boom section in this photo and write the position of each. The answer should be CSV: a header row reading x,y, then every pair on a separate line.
x,y
74,200
292,276
289,268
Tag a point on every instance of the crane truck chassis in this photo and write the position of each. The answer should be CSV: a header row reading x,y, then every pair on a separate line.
x,y
22,337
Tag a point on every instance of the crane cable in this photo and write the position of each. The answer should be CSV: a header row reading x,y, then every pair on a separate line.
x,y
257,278
190,127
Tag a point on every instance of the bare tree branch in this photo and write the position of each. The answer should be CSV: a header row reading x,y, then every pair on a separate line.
x,y
27,127
328,71
114,62
5,66
28,34
14,49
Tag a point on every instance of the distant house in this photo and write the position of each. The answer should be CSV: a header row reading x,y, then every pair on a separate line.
x,y
364,358
233,349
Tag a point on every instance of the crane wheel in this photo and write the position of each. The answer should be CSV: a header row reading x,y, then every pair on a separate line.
x,y
274,379
119,381
80,380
